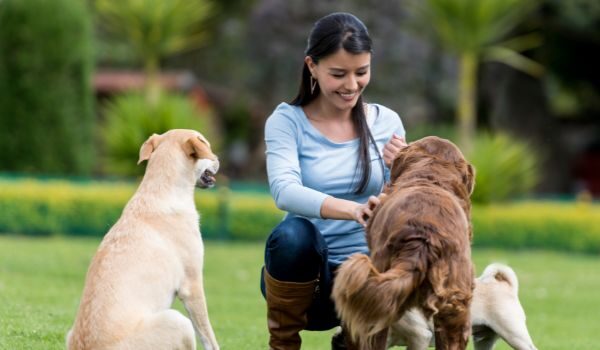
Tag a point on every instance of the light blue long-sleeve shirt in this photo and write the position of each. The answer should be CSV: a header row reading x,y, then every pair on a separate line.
x,y
304,167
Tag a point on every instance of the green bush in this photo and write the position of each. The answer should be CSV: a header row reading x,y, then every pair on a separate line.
x,y
505,168
46,114
43,208
130,120
560,226
46,207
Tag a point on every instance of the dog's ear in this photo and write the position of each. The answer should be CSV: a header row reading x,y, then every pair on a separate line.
x,y
148,147
469,178
197,148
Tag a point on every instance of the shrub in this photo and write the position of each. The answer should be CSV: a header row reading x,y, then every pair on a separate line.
x,y
43,208
505,168
550,225
237,216
46,115
130,120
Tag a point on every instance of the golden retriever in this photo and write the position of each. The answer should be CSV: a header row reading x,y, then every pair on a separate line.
x,y
419,239
495,313
153,253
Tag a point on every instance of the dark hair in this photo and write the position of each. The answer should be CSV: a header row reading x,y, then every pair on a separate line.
x,y
329,34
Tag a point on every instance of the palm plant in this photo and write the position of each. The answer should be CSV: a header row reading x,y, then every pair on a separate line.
x,y
154,29
472,29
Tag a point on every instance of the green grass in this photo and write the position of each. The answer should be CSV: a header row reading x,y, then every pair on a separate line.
x,y
41,280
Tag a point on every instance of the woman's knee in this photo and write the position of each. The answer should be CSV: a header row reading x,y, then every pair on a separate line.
x,y
294,249
295,234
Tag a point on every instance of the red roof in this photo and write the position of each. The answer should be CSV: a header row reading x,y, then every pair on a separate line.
x,y
112,81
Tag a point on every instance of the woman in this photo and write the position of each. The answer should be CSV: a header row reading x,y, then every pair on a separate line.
x,y
328,154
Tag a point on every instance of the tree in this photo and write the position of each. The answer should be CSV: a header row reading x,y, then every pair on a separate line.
x,y
154,29
46,99
472,29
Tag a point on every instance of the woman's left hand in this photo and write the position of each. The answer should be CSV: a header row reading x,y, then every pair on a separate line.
x,y
392,148
364,211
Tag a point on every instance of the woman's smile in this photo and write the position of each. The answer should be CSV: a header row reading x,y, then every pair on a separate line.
x,y
349,96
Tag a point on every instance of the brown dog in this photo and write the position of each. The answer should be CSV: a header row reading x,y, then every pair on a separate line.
x,y
419,238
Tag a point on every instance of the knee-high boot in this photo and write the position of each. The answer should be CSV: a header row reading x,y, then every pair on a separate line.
x,y
287,304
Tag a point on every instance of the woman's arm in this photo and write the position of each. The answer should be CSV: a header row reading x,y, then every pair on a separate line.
x,y
342,209
283,168
285,180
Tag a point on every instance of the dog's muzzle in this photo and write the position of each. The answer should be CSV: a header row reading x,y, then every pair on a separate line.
x,y
207,178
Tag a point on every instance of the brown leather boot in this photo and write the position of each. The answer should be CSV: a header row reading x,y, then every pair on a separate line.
x,y
287,303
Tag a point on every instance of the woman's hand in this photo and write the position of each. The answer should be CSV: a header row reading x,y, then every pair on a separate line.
x,y
363,212
392,148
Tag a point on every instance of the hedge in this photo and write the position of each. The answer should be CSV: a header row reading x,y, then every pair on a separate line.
x,y
555,225
36,207
46,207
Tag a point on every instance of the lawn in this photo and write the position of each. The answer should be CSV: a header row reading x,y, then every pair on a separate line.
x,y
41,280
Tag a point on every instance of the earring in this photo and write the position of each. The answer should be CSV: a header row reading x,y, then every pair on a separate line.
x,y
313,85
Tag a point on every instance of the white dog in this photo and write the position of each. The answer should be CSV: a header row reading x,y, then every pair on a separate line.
x,y
153,253
495,312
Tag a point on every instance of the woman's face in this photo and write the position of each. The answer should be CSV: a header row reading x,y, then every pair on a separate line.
x,y
342,77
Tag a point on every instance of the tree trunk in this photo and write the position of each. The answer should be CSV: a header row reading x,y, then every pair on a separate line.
x,y
467,98
153,87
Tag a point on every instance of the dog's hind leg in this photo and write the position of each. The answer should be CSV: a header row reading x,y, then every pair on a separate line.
x,y
507,319
167,329
452,281
516,335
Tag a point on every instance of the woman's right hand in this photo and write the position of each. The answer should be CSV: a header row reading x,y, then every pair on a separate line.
x,y
392,149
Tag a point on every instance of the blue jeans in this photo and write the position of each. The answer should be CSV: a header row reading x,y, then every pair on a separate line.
x,y
296,252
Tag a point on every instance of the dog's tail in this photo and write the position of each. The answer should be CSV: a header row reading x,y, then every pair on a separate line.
x,y
500,273
369,301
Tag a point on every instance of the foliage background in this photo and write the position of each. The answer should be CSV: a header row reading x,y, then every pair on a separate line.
x,y
46,98
414,75
53,114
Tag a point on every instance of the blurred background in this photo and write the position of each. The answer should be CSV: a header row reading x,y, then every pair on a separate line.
x,y
83,83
